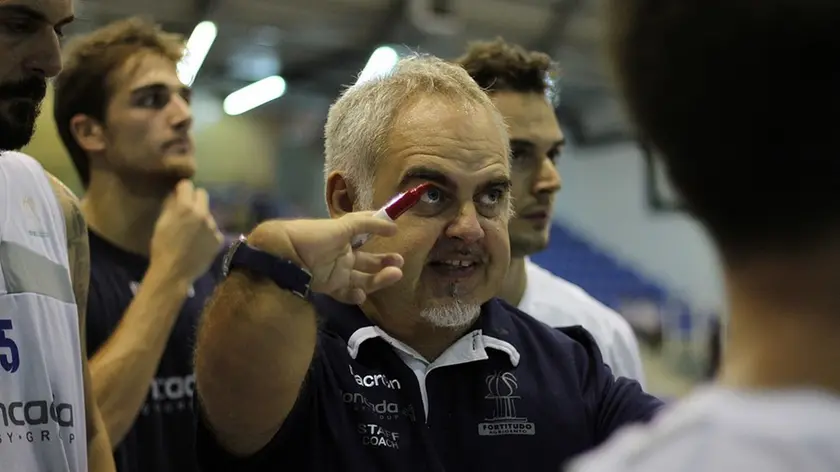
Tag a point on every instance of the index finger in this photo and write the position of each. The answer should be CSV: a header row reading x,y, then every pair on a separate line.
x,y
202,201
364,222
185,191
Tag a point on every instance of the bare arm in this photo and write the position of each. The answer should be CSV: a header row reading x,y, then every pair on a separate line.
x,y
123,368
255,345
100,458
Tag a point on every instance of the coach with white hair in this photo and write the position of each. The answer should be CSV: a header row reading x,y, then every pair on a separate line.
x,y
315,356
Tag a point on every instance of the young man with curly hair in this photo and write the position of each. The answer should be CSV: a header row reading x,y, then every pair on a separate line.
x,y
519,83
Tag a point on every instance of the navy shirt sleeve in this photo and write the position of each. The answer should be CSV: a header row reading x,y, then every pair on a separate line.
x,y
612,402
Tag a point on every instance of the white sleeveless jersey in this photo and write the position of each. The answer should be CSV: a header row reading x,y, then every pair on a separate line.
x,y
42,415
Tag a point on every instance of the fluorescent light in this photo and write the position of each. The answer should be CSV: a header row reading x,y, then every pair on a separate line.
x,y
254,95
198,46
381,62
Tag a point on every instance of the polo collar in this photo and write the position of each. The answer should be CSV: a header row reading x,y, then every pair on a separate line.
x,y
494,329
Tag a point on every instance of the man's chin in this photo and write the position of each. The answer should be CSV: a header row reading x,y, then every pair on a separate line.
x,y
524,245
177,171
15,134
454,314
161,180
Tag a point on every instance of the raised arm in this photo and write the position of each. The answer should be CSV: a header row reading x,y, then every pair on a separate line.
x,y
256,340
100,458
185,243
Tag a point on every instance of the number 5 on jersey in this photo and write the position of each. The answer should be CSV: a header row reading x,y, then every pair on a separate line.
x,y
9,357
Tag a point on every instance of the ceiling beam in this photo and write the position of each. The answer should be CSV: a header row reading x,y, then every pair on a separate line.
x,y
204,9
352,56
562,12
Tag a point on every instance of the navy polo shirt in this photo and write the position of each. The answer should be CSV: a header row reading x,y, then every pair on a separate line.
x,y
511,394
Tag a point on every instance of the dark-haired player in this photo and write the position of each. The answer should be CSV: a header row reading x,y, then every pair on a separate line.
x,y
518,83
49,420
740,97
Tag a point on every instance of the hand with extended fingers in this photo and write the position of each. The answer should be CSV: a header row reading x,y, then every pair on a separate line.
x,y
323,248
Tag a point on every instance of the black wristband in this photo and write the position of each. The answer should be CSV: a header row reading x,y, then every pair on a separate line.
x,y
283,272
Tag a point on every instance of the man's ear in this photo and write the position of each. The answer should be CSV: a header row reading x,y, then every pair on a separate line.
x,y
88,133
339,195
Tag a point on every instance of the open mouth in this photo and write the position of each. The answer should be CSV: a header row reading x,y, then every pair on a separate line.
x,y
455,268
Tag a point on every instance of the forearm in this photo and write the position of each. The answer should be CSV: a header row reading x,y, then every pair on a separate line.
x,y
255,345
100,457
124,367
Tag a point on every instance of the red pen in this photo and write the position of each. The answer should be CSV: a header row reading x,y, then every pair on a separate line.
x,y
393,209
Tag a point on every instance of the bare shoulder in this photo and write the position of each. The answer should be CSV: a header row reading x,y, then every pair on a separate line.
x,y
78,251
73,219
67,199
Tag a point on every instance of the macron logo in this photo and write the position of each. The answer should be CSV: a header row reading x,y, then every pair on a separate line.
x,y
375,380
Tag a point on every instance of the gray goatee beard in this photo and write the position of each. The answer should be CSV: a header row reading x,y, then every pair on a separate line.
x,y
457,314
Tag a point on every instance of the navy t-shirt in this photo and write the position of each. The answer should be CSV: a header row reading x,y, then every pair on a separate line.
x,y
512,394
162,438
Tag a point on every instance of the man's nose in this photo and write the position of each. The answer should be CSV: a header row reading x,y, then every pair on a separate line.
x,y
466,226
181,113
548,179
44,59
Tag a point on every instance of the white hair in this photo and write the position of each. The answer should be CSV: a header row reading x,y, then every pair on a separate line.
x,y
358,123
453,315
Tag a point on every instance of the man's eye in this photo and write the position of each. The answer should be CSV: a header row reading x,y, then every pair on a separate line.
x,y
492,197
517,154
18,26
154,100
432,196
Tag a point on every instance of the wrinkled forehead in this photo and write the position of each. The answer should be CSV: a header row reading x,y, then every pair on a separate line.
x,y
456,127
465,142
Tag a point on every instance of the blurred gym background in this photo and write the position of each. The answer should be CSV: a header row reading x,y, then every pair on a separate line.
x,y
265,71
